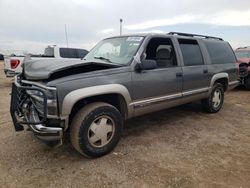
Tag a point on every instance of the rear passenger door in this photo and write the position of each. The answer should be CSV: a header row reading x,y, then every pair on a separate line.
x,y
195,73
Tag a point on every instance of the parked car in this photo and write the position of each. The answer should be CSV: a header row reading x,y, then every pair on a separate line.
x,y
120,78
13,64
1,57
243,56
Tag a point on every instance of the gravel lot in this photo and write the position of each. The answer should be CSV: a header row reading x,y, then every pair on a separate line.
x,y
179,147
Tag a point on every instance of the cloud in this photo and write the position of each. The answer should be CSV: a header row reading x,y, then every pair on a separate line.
x,y
27,23
107,31
161,22
226,18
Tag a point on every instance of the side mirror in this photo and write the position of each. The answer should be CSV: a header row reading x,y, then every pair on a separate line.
x,y
146,64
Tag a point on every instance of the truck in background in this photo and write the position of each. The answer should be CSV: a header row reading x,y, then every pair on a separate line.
x,y
243,57
13,63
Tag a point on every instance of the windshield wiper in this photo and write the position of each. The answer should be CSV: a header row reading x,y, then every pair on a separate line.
x,y
108,60
103,58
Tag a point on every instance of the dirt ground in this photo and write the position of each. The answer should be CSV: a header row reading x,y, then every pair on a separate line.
x,y
179,147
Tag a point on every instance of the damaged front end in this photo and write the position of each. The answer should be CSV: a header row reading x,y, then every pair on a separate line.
x,y
244,71
35,105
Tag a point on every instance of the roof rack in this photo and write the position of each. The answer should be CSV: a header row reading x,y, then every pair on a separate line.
x,y
194,35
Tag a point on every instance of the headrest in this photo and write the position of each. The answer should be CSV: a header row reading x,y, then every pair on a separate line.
x,y
163,54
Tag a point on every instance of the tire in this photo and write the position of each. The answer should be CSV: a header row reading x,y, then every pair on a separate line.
x,y
215,101
247,83
96,129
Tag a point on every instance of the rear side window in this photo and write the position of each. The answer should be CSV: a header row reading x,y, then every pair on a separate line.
x,y
72,53
191,52
220,52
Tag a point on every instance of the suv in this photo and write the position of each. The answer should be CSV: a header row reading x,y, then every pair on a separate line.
x,y
120,78
243,56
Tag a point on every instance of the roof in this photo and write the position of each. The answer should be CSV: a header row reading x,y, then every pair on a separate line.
x,y
182,35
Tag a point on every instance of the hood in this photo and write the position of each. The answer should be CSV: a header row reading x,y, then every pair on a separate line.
x,y
49,69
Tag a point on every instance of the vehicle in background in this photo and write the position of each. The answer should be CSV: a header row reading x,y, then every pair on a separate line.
x,y
120,78
13,63
1,57
243,56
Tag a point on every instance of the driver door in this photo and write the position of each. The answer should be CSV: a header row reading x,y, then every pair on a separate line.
x,y
161,87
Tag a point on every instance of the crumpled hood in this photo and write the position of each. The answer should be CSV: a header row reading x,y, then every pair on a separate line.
x,y
44,68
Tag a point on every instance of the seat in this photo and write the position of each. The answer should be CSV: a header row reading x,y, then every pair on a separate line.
x,y
163,58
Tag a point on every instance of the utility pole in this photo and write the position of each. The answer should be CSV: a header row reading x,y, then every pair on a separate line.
x,y
121,26
66,35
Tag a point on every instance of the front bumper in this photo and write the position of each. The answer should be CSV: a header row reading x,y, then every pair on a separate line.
x,y
23,113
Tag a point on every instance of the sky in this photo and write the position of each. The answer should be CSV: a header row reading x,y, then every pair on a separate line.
x,y
31,25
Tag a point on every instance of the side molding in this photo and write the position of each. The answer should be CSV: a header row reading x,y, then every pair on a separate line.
x,y
76,95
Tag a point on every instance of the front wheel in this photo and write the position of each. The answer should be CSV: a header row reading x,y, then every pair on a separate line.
x,y
215,101
96,129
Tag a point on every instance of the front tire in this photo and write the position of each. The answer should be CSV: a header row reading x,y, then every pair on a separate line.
x,y
215,101
96,129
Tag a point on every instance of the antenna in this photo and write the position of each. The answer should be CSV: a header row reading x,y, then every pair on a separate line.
x,y
121,26
66,35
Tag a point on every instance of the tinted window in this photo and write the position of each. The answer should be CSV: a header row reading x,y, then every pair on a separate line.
x,y
191,52
72,53
220,52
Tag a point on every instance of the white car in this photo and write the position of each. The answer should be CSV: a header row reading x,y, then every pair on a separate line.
x,y
13,64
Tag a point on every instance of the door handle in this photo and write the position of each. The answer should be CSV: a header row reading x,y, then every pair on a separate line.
x,y
205,71
179,74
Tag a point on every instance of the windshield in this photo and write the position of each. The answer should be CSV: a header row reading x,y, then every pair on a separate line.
x,y
118,50
242,54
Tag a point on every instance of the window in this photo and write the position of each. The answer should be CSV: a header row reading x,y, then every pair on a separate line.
x,y
72,53
118,50
49,52
220,52
161,50
191,52
242,54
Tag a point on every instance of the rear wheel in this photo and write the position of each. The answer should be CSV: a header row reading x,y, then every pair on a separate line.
x,y
247,83
96,129
215,101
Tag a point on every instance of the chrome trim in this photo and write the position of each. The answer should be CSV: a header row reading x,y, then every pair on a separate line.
x,y
196,91
151,101
146,102
233,83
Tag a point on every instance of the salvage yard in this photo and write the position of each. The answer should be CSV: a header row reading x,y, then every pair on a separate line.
x,y
179,147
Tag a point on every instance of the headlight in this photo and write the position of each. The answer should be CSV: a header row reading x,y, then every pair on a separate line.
x,y
38,100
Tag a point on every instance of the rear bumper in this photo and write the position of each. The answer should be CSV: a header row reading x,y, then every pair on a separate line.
x,y
24,113
10,73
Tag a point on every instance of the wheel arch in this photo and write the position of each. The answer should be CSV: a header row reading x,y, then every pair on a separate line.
x,y
114,94
221,78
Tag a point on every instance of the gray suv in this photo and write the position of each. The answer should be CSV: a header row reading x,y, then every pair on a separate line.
x,y
121,77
